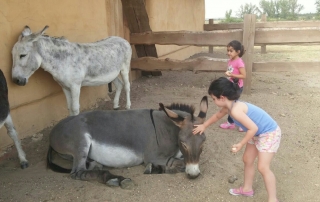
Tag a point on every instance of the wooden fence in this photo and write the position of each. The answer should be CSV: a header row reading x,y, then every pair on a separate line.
x,y
249,33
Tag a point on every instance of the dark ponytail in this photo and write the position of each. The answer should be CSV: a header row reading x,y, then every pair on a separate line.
x,y
235,80
224,87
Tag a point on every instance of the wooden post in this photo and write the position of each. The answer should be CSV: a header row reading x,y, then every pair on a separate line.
x,y
263,47
210,47
249,28
138,21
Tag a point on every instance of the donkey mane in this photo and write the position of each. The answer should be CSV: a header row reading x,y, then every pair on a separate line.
x,y
56,37
63,40
182,107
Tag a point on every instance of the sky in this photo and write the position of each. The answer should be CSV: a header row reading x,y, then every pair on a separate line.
x,y
218,8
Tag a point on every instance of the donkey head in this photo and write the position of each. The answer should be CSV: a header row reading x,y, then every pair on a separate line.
x,y
190,145
26,59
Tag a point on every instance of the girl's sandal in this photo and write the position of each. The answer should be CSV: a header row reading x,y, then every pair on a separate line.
x,y
238,192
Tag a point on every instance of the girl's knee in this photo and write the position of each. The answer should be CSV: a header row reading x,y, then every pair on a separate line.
x,y
263,169
248,161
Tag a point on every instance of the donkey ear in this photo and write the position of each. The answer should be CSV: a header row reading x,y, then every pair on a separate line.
x,y
43,30
203,108
178,120
26,31
35,36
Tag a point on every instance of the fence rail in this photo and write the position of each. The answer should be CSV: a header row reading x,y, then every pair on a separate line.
x,y
280,24
207,64
249,33
221,38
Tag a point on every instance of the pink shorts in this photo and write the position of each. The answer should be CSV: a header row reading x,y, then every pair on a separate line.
x,y
267,142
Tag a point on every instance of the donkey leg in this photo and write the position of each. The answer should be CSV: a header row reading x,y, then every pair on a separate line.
x,y
175,165
75,96
125,78
153,169
110,87
14,136
80,156
94,165
79,170
67,93
118,83
106,177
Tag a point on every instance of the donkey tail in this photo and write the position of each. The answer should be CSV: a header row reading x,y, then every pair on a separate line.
x,y
53,166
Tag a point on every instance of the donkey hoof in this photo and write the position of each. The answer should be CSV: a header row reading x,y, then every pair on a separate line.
x,y
116,108
111,93
24,164
126,184
113,182
148,169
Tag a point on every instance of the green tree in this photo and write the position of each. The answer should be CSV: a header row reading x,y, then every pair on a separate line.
x,y
228,15
229,18
269,8
317,3
284,9
294,9
248,9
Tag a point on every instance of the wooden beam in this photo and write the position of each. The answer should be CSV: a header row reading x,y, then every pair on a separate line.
x,y
136,16
138,21
280,24
211,47
181,38
209,64
197,64
228,26
263,46
288,24
286,67
287,35
220,38
248,43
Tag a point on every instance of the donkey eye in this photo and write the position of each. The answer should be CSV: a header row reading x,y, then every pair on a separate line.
x,y
22,56
184,145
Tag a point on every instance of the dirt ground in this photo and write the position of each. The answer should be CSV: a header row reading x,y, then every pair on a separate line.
x,y
291,98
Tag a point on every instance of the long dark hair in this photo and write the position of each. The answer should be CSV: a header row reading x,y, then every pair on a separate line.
x,y
224,87
237,46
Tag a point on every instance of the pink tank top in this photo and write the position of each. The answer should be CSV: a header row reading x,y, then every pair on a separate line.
x,y
234,66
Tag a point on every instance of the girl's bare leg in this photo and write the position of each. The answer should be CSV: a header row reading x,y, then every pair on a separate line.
x,y
249,156
264,160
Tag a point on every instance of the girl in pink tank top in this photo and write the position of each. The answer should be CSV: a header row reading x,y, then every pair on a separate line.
x,y
235,73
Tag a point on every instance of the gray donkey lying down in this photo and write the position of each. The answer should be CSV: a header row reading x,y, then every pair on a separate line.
x,y
155,138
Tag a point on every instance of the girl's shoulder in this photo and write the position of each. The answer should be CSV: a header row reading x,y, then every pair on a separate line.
x,y
240,61
240,106
237,61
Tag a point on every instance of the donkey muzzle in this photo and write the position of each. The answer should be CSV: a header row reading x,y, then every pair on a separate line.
x,y
192,170
20,81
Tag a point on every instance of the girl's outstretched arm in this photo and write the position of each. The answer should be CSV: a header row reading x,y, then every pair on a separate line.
x,y
214,118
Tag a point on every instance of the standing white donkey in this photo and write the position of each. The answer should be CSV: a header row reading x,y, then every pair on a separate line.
x,y
73,65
